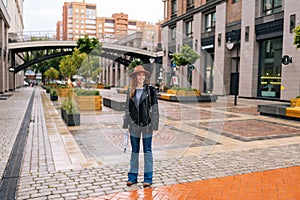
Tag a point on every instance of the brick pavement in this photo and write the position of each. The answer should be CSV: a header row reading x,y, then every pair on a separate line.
x,y
271,184
12,112
100,173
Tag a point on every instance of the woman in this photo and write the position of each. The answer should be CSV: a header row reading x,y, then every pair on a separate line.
x,y
141,117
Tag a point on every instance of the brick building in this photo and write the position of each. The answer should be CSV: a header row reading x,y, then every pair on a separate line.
x,y
80,18
241,43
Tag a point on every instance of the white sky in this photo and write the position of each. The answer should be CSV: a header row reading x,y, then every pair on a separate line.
x,y
42,15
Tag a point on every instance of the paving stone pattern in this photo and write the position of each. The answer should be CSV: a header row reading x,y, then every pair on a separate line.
x,y
40,179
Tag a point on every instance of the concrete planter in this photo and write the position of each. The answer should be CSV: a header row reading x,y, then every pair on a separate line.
x,y
53,97
70,119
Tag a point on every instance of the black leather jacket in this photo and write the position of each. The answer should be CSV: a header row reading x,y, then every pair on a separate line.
x,y
142,117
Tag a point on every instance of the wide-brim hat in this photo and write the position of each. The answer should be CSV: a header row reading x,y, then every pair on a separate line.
x,y
139,69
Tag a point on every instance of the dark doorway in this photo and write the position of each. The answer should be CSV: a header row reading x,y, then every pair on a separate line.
x,y
234,76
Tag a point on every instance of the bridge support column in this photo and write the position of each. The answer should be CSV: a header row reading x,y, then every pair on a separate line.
x,y
102,73
122,76
2,60
106,73
111,74
117,74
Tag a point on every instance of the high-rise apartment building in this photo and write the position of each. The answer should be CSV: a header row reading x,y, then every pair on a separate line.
x,y
80,18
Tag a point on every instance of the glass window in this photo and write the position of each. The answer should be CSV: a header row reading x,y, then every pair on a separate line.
x,y
270,68
173,33
70,11
174,7
271,6
210,22
190,3
209,70
235,1
189,28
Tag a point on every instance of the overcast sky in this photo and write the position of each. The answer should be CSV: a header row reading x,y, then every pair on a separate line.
x,y
42,15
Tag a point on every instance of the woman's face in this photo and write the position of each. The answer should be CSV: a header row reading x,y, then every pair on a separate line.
x,y
140,77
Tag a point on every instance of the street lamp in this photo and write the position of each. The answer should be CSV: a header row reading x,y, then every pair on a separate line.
x,y
233,40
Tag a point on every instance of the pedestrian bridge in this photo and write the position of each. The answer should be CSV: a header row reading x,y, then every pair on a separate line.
x,y
119,53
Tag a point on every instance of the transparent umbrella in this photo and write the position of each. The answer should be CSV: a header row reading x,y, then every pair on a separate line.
x,y
126,136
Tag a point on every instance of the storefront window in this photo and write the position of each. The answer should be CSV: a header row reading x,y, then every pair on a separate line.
x,y
270,68
209,71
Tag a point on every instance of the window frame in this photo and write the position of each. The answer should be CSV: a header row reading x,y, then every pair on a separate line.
x,y
273,9
190,3
189,28
173,8
212,21
173,33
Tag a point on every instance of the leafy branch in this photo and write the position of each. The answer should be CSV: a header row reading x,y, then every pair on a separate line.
x,y
187,56
297,36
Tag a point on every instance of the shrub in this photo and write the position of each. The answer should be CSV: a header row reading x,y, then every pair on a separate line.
x,y
48,88
184,89
53,92
81,92
69,106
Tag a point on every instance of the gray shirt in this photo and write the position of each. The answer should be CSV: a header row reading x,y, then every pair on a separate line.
x,y
138,94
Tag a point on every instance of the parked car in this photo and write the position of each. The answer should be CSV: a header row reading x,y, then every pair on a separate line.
x,y
26,83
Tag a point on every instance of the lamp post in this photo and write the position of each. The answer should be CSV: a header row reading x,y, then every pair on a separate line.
x,y
234,41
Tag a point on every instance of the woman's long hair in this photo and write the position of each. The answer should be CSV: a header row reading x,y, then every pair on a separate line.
x,y
133,85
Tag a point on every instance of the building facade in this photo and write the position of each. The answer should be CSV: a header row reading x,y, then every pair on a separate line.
x,y
80,18
11,23
242,45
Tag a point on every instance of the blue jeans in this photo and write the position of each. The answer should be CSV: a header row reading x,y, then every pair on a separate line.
x,y
134,160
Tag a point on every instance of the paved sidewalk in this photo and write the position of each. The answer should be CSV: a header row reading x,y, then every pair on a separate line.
x,y
12,112
271,184
200,147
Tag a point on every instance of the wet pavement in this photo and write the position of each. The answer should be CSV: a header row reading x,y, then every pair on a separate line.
x,y
201,151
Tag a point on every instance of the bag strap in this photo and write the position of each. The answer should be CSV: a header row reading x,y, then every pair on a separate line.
x,y
149,95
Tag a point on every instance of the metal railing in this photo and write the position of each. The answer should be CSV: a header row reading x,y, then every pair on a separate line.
x,y
124,40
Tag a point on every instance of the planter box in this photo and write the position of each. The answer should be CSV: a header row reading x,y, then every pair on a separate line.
x,y
89,102
63,92
170,91
53,97
295,102
70,119
183,92
100,86
188,93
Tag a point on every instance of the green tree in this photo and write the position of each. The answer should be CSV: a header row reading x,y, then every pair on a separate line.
x,y
297,37
92,47
69,65
187,56
133,64
52,73
43,66
90,69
